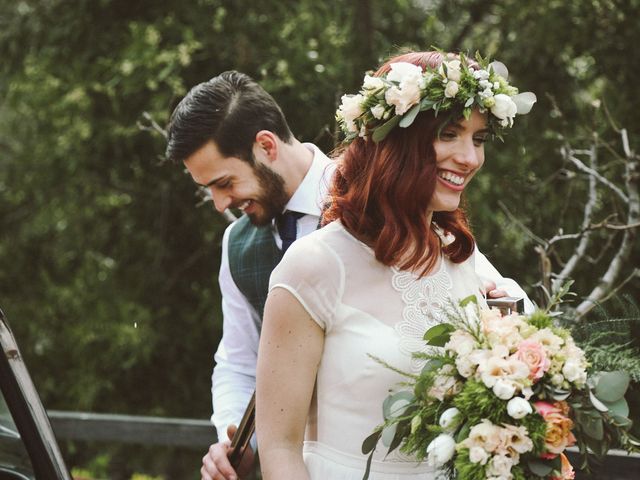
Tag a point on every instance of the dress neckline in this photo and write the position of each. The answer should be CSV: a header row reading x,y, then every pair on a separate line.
x,y
436,271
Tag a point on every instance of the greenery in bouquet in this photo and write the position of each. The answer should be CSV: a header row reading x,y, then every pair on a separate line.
x,y
502,399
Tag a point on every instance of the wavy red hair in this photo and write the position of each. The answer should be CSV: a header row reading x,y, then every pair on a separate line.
x,y
381,191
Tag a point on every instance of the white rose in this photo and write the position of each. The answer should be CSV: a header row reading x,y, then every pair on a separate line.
x,y
450,419
518,408
403,98
478,455
377,111
504,108
400,70
451,89
440,450
350,109
503,389
372,83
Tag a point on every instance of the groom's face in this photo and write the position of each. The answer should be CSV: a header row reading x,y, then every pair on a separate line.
x,y
255,189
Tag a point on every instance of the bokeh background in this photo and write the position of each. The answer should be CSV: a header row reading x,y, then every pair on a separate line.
x,y
108,258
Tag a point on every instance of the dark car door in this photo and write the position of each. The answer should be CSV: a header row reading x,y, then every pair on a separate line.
x,y
28,448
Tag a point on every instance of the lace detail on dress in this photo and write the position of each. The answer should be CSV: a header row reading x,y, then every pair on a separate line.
x,y
425,299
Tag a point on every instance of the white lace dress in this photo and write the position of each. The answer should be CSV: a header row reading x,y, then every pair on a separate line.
x,y
365,308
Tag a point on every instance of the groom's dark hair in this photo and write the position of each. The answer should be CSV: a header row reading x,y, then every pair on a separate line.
x,y
229,109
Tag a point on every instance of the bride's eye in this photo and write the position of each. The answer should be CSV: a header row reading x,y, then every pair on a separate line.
x,y
447,135
479,140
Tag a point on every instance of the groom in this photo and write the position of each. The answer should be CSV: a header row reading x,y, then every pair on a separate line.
x,y
234,140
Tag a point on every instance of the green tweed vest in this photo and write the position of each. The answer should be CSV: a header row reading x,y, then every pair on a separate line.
x,y
253,254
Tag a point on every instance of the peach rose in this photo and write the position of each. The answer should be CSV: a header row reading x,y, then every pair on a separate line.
x,y
532,353
559,425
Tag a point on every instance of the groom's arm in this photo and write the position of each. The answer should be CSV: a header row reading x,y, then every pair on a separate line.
x,y
503,286
234,376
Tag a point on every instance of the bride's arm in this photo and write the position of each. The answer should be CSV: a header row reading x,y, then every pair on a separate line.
x,y
291,345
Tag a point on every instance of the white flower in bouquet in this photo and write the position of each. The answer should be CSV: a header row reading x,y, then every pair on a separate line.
x,y
403,98
450,419
461,343
500,466
549,340
400,71
445,384
574,372
485,435
518,408
478,455
514,439
441,450
504,389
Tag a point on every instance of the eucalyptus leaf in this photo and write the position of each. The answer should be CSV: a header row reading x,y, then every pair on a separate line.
x,y
395,405
619,408
384,129
388,433
432,364
597,403
593,427
620,421
612,386
559,395
410,116
540,467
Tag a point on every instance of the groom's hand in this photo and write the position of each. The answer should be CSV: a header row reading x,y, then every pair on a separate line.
x,y
491,291
216,465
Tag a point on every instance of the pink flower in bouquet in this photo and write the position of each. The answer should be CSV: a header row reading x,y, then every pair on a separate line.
x,y
532,353
567,472
559,425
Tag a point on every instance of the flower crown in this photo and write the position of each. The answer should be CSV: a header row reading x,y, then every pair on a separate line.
x,y
396,98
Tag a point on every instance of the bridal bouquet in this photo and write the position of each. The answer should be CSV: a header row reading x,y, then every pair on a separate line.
x,y
503,399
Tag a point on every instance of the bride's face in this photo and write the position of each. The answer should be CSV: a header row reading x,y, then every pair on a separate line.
x,y
459,155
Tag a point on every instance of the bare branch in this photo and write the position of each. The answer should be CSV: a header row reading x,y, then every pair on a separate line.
x,y
581,166
581,248
520,225
152,126
606,284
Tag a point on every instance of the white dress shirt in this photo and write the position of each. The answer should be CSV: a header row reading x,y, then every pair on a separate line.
x,y
234,376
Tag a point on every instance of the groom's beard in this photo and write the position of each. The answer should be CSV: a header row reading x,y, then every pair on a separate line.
x,y
272,197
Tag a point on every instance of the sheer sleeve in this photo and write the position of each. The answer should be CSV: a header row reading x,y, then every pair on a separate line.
x,y
312,272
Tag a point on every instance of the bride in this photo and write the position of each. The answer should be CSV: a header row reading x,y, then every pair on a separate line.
x,y
396,249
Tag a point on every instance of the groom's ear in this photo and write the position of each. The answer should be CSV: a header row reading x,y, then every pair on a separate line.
x,y
267,145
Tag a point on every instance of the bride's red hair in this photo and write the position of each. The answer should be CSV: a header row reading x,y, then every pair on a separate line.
x,y
381,191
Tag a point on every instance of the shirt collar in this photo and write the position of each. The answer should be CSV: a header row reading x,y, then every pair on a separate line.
x,y
310,195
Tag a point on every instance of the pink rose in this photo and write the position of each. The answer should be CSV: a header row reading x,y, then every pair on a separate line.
x,y
533,355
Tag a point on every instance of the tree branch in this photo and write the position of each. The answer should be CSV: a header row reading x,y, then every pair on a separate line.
x,y
581,249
